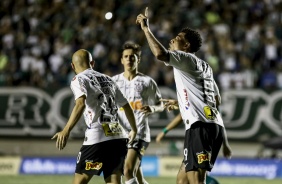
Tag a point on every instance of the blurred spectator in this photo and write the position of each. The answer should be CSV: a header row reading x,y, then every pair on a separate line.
x,y
242,39
268,80
3,61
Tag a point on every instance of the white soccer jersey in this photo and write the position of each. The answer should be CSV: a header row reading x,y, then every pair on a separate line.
x,y
103,98
195,88
140,91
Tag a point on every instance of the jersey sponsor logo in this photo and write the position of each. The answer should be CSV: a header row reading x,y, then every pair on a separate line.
x,y
136,105
112,129
93,166
186,98
203,157
209,113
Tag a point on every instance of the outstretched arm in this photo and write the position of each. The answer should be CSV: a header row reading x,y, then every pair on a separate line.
x,y
170,104
174,123
156,47
149,109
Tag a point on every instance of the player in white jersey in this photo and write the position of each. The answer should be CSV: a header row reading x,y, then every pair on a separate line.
x,y
194,81
172,104
98,98
144,97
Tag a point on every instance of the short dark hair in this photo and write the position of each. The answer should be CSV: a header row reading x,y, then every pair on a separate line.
x,y
193,37
134,46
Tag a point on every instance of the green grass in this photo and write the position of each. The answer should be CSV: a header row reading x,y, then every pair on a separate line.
x,y
67,179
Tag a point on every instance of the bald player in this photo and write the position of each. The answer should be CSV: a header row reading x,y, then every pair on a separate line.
x,y
98,98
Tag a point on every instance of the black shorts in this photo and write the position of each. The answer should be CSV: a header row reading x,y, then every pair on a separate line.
x,y
105,156
139,146
201,146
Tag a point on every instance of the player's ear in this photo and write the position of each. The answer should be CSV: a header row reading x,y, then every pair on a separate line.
x,y
92,64
187,46
72,66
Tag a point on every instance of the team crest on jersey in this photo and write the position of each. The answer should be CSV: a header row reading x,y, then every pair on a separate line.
x,y
93,166
139,86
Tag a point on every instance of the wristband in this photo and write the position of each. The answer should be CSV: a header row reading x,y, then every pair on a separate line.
x,y
165,130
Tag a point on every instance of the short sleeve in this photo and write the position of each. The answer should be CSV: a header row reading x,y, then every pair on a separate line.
x,y
78,87
153,93
180,60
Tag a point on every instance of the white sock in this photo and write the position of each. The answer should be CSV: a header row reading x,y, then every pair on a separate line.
x,y
132,181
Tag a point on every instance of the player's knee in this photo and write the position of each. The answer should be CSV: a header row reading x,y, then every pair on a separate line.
x,y
81,179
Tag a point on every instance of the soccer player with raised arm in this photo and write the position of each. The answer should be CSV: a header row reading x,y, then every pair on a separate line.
x,y
144,97
194,81
171,104
98,98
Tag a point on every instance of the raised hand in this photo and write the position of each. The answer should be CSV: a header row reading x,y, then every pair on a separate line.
x,y
143,20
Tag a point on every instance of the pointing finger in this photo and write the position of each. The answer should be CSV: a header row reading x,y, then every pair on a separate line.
x,y
146,12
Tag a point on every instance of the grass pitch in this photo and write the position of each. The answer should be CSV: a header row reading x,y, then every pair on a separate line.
x,y
67,179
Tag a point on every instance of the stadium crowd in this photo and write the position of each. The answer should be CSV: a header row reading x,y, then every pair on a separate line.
x,y
241,39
